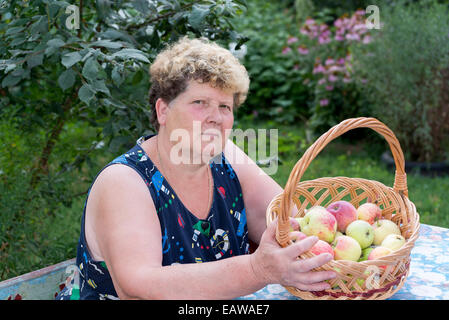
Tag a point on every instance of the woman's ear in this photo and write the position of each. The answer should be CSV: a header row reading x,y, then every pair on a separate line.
x,y
162,109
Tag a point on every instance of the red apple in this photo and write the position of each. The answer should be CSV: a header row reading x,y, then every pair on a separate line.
x,y
379,252
344,212
322,247
347,248
319,222
369,212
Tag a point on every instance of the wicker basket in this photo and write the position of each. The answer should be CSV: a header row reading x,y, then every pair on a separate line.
x,y
381,278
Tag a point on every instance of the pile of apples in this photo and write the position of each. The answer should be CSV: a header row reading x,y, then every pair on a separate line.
x,y
348,233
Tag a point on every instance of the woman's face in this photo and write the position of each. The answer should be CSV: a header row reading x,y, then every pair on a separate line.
x,y
199,121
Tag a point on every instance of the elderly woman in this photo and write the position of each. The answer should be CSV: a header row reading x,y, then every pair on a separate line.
x,y
173,216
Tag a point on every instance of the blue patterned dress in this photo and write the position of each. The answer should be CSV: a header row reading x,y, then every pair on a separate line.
x,y
185,238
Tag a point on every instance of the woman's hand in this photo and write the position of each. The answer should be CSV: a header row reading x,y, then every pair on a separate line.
x,y
280,265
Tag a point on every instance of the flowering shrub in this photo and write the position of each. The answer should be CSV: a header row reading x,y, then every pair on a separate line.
x,y
323,51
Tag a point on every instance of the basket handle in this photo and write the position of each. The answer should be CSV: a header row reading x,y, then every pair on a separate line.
x,y
400,180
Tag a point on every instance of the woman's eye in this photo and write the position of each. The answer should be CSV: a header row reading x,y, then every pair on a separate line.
x,y
199,101
226,107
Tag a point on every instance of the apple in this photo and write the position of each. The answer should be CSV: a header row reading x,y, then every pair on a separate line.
x,y
365,253
369,212
322,247
379,252
319,222
382,229
361,231
347,248
393,241
344,212
337,234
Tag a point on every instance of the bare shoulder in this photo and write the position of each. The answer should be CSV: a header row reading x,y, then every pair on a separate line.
x,y
119,202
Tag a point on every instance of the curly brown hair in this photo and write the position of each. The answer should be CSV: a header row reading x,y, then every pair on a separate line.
x,y
195,59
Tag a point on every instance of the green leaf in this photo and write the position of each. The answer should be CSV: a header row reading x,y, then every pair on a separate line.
x,y
91,69
40,26
197,16
10,80
86,93
14,30
57,43
35,60
67,79
107,44
141,6
131,54
100,86
70,59
117,76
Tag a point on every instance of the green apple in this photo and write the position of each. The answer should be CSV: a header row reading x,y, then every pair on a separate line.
x,y
361,231
393,241
365,254
319,222
382,229
347,248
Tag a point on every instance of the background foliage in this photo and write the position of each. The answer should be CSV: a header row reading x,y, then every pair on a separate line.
x,y
71,100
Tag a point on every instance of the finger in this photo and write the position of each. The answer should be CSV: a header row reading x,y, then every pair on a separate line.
x,y
306,265
299,247
313,277
297,236
269,235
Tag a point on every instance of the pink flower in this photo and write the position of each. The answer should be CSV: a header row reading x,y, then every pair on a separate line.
x,y
292,40
286,50
323,40
329,88
309,21
303,50
366,39
322,81
332,78
319,69
353,36
324,102
329,61
335,69
346,80
339,37
341,61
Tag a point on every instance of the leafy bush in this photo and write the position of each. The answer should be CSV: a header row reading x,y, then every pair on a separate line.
x,y
406,67
276,91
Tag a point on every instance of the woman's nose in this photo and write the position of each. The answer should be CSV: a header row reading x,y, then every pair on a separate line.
x,y
215,115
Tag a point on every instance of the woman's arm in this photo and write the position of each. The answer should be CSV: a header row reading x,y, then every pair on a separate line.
x,y
128,235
